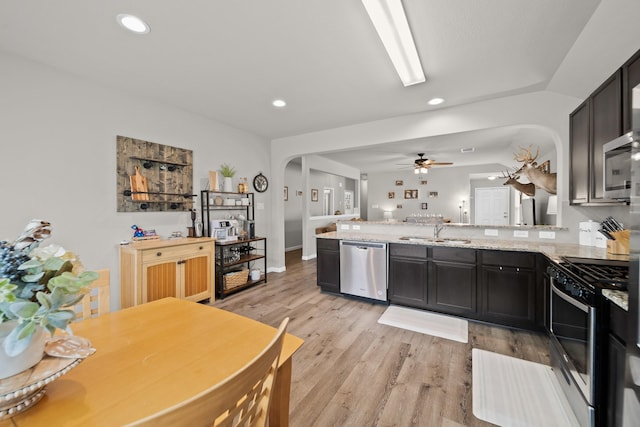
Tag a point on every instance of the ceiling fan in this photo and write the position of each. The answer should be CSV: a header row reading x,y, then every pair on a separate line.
x,y
422,165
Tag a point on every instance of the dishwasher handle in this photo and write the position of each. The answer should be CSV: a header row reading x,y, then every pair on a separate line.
x,y
363,245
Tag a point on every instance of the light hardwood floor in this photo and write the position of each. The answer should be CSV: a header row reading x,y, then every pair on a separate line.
x,y
352,371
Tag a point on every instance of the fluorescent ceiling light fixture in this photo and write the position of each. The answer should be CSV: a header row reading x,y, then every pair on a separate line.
x,y
133,23
435,101
391,24
279,103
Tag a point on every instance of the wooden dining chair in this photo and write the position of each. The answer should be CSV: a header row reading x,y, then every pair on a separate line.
x,y
96,301
243,399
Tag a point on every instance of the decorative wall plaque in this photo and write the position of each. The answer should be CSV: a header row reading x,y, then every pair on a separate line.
x,y
153,177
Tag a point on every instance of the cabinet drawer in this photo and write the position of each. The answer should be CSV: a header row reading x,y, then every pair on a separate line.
x,y
411,251
509,259
328,244
182,251
454,254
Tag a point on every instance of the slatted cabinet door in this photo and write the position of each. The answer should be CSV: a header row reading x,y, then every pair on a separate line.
x,y
197,270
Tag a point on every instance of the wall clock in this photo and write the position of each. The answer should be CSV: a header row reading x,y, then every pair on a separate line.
x,y
260,183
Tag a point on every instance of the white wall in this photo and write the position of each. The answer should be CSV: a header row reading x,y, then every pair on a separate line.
x,y
451,183
58,150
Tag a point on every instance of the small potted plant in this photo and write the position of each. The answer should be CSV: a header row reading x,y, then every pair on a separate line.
x,y
38,287
227,172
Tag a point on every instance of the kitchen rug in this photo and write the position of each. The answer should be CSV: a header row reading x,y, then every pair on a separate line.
x,y
426,322
513,392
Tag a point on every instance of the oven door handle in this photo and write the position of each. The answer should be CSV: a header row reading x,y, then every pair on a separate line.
x,y
570,300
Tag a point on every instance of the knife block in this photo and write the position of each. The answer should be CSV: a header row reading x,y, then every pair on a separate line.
x,y
619,246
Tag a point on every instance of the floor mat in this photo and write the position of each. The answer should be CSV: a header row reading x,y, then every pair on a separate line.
x,y
513,392
426,322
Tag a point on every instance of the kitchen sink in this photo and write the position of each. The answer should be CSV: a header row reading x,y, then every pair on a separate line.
x,y
417,239
452,241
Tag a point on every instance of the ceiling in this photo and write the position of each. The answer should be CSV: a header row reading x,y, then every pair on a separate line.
x,y
227,60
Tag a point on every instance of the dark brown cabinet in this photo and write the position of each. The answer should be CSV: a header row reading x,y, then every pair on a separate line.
x,y
543,287
615,365
452,284
595,122
602,117
507,288
579,154
630,79
328,264
408,275
606,125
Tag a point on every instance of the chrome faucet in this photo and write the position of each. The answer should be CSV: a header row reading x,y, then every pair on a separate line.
x,y
437,229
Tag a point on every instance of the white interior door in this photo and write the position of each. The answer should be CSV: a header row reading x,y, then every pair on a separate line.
x,y
492,206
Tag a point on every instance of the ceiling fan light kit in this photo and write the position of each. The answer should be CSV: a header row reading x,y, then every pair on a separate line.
x,y
390,21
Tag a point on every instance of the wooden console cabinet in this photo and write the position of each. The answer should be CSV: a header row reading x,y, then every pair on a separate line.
x,y
155,269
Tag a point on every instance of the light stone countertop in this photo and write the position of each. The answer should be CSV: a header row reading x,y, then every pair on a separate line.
x,y
619,298
554,251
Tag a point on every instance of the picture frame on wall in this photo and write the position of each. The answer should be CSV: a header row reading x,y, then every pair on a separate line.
x,y
423,182
433,194
286,193
392,194
314,194
410,194
298,193
399,182
424,206
398,206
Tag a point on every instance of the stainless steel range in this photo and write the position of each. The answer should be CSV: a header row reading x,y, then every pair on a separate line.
x,y
578,329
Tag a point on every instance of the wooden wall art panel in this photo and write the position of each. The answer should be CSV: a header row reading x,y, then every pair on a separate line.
x,y
153,177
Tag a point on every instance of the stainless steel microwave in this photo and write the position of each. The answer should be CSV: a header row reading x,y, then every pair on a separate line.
x,y
617,166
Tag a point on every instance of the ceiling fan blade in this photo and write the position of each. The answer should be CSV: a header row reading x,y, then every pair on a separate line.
x,y
440,163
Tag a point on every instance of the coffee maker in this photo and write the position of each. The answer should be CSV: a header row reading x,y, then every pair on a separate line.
x,y
223,231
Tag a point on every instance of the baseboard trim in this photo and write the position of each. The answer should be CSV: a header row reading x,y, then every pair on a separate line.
x,y
293,248
276,269
308,257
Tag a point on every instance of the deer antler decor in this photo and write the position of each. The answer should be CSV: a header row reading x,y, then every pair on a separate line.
x,y
546,181
529,189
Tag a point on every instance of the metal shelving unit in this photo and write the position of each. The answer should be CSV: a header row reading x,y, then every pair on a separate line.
x,y
208,206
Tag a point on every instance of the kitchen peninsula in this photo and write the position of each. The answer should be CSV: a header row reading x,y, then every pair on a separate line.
x,y
460,270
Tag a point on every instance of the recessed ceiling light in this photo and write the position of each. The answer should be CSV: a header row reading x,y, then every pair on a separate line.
x,y
435,101
468,150
492,177
279,103
133,23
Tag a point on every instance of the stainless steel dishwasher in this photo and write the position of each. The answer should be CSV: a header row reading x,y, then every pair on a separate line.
x,y
363,269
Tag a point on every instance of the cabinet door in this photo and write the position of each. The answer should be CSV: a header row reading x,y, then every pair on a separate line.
x,y
508,296
606,110
197,278
328,270
543,287
160,280
615,382
452,287
630,79
579,154
408,281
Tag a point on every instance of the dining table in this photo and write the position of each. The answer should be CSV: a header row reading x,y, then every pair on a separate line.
x,y
152,356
